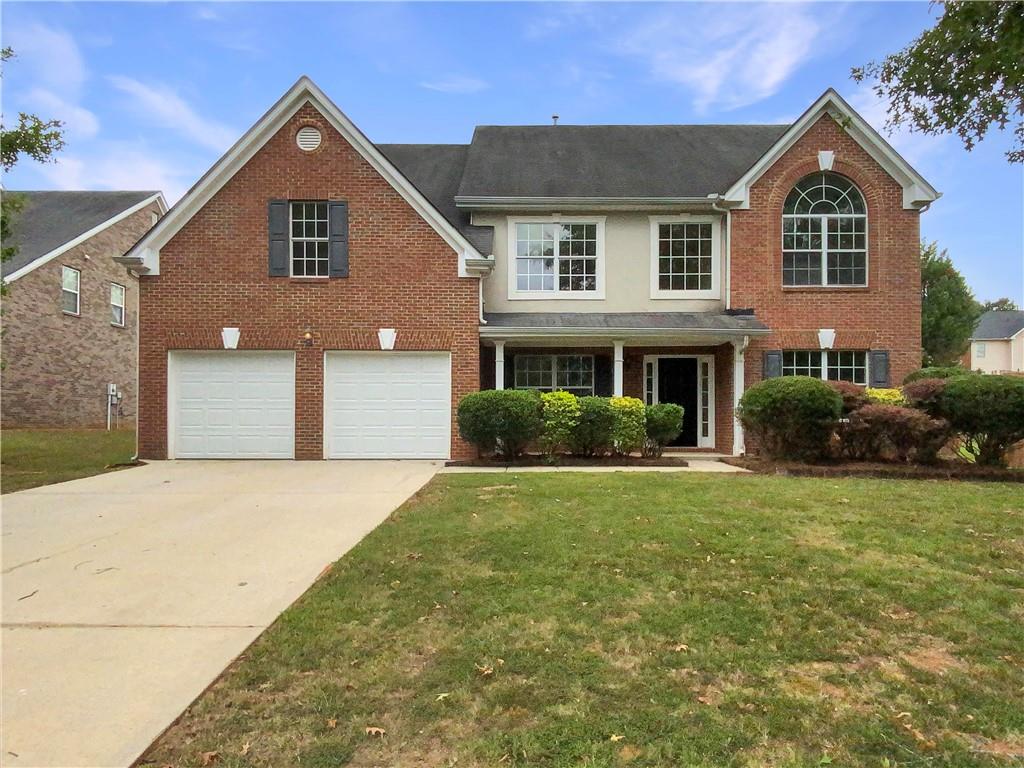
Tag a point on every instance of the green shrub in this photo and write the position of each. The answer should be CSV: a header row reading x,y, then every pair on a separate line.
x,y
504,420
885,396
791,416
852,394
988,413
593,434
561,416
879,431
664,422
630,429
937,372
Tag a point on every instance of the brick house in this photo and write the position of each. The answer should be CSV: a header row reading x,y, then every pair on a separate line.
x,y
69,319
318,295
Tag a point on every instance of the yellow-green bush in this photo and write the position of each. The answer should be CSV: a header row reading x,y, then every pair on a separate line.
x,y
885,396
561,417
630,429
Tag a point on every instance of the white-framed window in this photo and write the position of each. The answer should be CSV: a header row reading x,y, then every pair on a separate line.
x,y
547,373
824,233
117,302
308,228
828,365
685,257
71,291
979,349
553,258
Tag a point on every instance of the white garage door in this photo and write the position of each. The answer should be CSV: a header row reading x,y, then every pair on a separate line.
x,y
387,405
232,405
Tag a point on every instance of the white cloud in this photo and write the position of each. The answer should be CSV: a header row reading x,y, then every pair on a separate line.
x,y
727,56
51,57
206,13
119,165
79,122
456,84
165,107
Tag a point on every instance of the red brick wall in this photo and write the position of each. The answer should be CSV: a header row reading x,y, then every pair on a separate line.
x,y
884,315
214,274
57,366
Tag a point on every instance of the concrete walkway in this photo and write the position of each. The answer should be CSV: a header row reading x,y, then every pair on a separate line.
x,y
696,465
126,594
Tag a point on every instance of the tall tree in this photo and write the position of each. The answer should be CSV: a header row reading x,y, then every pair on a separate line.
x,y
962,76
1002,305
948,309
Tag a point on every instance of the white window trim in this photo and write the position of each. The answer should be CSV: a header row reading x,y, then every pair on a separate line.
x,y
702,442
554,371
980,349
715,292
123,306
292,239
77,292
823,363
556,295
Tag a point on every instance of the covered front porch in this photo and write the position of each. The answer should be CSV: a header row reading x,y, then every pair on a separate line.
x,y
696,360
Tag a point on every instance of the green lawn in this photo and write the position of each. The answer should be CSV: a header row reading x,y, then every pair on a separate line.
x,y
646,620
33,457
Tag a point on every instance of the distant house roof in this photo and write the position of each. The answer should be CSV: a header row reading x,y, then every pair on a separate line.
x,y
50,220
611,161
999,324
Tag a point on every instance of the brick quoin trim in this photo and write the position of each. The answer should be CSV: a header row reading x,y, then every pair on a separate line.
x,y
403,275
884,315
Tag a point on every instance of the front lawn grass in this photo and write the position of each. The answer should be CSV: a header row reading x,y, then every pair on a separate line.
x,y
34,457
645,620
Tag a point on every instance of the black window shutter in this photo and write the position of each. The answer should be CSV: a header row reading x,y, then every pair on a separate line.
x,y
277,228
878,365
772,366
337,248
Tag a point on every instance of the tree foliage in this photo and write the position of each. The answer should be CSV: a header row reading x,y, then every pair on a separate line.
x,y
948,309
1001,305
963,76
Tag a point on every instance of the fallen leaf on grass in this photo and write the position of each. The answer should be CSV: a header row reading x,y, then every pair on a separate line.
x,y
485,670
615,737
332,722
373,730
414,556
209,758
245,749
441,696
681,648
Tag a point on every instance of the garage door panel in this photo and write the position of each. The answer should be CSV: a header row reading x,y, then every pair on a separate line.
x,y
388,405
233,404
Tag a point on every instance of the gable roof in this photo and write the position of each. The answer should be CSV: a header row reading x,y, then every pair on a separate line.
x,y
508,163
145,256
999,324
917,192
50,223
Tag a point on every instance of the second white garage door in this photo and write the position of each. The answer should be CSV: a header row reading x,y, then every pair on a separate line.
x,y
387,405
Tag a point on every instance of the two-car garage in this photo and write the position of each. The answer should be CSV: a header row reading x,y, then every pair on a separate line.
x,y
228,404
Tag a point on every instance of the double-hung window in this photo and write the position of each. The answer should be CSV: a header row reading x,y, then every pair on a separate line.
x,y
829,365
824,233
309,248
71,291
547,373
685,257
117,296
556,258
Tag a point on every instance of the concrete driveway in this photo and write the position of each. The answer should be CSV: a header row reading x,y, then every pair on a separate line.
x,y
126,594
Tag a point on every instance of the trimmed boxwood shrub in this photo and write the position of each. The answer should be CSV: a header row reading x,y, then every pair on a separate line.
x,y
937,372
561,416
987,411
505,420
630,429
852,394
593,434
885,396
879,431
791,416
664,423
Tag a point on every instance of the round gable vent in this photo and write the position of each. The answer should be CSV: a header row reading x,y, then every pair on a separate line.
x,y
308,138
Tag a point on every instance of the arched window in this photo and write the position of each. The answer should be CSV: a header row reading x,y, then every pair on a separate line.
x,y
824,233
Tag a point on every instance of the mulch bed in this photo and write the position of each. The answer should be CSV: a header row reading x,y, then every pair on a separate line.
x,y
537,460
946,470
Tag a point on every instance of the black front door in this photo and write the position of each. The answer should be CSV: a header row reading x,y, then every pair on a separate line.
x,y
677,383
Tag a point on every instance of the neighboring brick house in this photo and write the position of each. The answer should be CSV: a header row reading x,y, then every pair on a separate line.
x,y
317,295
69,319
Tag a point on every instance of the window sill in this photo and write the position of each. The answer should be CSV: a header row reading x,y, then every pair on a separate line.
x,y
826,288
685,295
118,325
309,280
70,314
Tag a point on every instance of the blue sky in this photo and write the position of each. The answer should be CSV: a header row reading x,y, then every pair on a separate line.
x,y
152,93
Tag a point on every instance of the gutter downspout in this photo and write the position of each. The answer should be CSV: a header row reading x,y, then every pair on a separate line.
x,y
727,259
138,357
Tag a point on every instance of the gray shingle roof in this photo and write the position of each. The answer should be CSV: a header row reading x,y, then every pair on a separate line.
x,y
436,170
705,321
999,324
612,160
50,219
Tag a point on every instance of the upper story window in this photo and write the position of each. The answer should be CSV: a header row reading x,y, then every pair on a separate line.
x,y
824,233
309,239
830,365
117,295
685,257
556,259
70,294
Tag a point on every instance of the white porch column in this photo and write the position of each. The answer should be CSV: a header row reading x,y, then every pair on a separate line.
x,y
618,357
499,365
739,350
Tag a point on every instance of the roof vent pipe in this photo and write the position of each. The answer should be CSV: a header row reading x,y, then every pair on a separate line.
x,y
554,119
